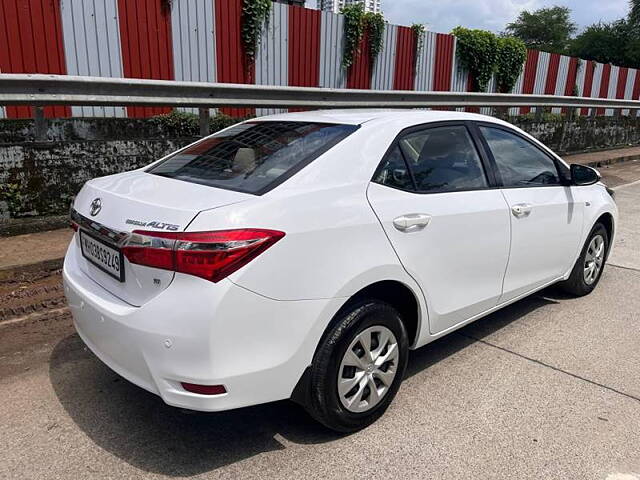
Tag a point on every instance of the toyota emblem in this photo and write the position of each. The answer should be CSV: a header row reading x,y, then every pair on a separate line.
x,y
96,206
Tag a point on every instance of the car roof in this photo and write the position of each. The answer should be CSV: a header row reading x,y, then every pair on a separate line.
x,y
372,115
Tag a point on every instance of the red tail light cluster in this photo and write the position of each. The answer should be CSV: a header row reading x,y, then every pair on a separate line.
x,y
210,255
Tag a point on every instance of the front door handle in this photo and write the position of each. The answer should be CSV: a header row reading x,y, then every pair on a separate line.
x,y
521,210
411,222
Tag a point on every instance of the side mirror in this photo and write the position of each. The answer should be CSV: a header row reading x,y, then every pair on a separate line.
x,y
583,175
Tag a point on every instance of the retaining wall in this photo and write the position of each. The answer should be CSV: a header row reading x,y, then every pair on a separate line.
x,y
40,178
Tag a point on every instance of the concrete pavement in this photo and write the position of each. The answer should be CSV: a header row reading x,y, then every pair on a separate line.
x,y
546,388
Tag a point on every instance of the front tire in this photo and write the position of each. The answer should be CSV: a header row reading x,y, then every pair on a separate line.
x,y
358,367
588,269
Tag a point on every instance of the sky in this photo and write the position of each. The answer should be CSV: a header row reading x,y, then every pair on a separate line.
x,y
493,15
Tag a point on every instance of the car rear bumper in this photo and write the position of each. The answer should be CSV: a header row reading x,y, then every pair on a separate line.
x,y
199,332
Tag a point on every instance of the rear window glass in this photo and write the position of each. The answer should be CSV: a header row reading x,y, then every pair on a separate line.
x,y
253,157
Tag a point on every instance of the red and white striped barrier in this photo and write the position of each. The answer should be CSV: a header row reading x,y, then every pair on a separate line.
x,y
200,40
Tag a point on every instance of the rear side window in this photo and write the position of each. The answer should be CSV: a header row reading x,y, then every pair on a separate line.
x,y
520,163
440,159
394,172
253,157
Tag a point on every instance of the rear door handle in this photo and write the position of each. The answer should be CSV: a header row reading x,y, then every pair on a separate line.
x,y
411,222
521,210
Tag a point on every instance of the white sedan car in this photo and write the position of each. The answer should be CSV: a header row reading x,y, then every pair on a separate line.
x,y
303,255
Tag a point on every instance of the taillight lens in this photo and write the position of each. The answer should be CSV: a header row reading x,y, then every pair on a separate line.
x,y
210,255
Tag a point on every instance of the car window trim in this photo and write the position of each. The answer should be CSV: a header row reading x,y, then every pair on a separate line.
x,y
494,164
492,184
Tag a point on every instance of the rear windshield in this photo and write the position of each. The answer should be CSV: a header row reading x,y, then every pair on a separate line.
x,y
253,157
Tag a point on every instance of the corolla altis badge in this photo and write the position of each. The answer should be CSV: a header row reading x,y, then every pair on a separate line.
x,y
154,224
96,206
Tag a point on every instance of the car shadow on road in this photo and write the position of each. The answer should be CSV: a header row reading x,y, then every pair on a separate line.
x,y
140,429
423,358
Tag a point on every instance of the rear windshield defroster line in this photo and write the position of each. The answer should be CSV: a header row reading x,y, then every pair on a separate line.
x,y
253,157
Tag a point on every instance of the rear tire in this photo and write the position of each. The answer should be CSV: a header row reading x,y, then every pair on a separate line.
x,y
358,367
588,269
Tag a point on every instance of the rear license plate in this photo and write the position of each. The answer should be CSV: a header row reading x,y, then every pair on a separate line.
x,y
104,256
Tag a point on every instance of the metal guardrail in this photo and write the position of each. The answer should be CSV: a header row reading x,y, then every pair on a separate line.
x,y
38,90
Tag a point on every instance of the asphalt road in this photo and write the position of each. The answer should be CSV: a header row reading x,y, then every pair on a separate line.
x,y
546,388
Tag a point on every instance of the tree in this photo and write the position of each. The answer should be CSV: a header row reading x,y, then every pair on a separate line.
x,y
604,42
547,29
617,42
634,13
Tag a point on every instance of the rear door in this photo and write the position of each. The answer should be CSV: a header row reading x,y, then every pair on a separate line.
x,y
546,221
446,220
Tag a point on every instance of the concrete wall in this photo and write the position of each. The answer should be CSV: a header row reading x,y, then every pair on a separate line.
x,y
40,178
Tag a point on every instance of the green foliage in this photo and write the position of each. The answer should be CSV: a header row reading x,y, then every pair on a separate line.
x,y
356,23
634,13
11,193
254,14
478,53
374,26
547,117
617,42
183,124
353,31
547,29
512,53
418,30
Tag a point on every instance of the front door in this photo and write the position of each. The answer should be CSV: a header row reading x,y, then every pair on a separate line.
x,y
546,222
448,227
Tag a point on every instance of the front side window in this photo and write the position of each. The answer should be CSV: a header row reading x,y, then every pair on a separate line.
x,y
520,163
442,159
253,157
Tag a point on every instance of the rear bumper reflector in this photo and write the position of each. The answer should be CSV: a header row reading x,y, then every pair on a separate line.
x,y
204,389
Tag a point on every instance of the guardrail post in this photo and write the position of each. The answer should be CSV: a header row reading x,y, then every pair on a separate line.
x,y
539,112
204,121
40,124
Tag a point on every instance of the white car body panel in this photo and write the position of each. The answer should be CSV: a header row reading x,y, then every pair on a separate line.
x,y
461,255
256,331
545,243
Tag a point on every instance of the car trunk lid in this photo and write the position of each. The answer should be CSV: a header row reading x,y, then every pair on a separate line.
x,y
112,207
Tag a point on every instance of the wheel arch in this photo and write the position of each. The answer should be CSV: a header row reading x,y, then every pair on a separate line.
x,y
607,220
394,292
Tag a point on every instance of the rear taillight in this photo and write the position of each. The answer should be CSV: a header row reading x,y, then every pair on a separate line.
x,y
210,255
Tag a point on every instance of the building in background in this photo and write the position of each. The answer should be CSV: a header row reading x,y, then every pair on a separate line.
x,y
299,3
334,6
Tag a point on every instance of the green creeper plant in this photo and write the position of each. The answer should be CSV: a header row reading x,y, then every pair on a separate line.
x,y
353,31
254,14
477,52
512,53
374,26
418,30
356,23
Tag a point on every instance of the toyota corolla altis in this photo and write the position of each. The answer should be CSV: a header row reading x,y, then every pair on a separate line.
x,y
303,255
